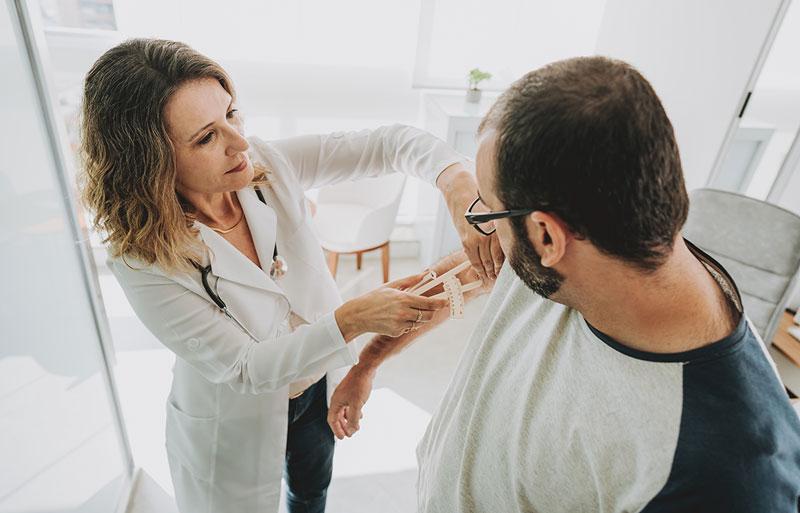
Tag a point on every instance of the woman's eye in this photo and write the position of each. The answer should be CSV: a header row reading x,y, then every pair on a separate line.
x,y
206,139
232,113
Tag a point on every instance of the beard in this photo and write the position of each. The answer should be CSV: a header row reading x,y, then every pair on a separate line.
x,y
527,264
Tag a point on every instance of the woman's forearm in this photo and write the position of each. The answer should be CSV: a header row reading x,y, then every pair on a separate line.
x,y
347,319
458,188
381,348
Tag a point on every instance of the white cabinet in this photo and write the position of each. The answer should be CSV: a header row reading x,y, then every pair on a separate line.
x,y
451,118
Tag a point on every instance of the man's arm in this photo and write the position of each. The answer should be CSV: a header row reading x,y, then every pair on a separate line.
x,y
352,393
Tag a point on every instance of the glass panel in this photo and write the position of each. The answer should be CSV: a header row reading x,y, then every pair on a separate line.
x,y
59,449
82,14
764,137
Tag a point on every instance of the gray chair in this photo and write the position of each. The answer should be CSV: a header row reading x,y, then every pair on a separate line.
x,y
757,242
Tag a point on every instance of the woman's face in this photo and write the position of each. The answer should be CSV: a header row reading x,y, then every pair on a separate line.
x,y
206,132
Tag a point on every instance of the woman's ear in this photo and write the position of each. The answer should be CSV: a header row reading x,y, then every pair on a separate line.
x,y
549,235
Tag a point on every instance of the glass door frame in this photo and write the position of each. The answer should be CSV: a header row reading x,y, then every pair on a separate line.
x,y
790,166
746,94
25,15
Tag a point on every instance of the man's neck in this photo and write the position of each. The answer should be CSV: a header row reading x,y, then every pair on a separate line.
x,y
676,308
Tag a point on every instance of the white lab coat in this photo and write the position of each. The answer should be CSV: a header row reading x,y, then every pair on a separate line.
x,y
228,407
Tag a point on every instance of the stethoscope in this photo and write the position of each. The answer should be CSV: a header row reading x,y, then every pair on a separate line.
x,y
277,269
212,293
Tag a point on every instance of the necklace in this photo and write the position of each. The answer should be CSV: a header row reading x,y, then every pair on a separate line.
x,y
223,232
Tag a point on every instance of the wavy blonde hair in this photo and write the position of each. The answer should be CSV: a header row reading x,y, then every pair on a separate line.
x,y
128,174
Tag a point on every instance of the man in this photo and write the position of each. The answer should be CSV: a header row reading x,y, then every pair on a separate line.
x,y
614,369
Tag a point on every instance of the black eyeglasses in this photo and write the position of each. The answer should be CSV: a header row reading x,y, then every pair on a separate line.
x,y
476,219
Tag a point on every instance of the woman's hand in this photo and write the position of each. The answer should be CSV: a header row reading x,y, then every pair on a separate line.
x,y
347,401
484,252
350,396
388,310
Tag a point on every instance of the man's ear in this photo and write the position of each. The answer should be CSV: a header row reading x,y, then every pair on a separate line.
x,y
549,235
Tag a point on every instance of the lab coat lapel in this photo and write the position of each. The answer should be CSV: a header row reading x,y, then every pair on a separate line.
x,y
229,263
308,284
263,225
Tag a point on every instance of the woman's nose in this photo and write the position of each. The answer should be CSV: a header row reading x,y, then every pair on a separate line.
x,y
237,142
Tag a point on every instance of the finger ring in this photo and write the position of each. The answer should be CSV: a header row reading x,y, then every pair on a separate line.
x,y
419,316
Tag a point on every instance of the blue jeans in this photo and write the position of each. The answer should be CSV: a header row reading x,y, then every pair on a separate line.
x,y
309,451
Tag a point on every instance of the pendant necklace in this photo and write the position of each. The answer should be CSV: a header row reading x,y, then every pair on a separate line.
x,y
229,230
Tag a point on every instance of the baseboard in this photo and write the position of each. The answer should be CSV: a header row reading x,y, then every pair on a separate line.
x,y
126,496
148,497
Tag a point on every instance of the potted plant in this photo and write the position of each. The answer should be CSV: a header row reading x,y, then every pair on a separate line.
x,y
475,77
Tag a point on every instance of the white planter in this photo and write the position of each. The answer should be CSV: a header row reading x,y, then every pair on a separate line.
x,y
473,95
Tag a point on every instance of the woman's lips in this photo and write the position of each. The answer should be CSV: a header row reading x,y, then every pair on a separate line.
x,y
238,168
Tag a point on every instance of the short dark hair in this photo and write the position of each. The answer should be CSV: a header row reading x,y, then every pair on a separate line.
x,y
588,140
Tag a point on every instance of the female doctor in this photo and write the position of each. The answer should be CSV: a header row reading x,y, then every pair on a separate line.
x,y
210,238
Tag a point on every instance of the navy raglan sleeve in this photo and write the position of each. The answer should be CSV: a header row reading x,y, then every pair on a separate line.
x,y
738,450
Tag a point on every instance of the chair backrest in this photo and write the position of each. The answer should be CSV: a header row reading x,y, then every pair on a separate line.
x,y
757,242
369,192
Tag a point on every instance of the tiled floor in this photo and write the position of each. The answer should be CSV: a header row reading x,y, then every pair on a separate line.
x,y
373,471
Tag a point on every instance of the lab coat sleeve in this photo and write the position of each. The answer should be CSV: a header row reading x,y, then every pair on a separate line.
x,y
199,333
320,160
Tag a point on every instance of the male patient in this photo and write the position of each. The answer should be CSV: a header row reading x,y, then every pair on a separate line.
x,y
613,370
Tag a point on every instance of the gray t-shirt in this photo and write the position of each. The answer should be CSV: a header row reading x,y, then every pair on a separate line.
x,y
547,414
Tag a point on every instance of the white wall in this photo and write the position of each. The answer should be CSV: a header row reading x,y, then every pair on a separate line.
x,y
699,56
507,38
306,66
300,66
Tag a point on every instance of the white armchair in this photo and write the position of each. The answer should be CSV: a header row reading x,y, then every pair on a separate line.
x,y
357,217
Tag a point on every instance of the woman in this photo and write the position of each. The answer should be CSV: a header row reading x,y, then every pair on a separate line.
x,y
209,237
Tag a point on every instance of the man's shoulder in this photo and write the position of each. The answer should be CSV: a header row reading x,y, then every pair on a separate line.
x,y
738,447
730,483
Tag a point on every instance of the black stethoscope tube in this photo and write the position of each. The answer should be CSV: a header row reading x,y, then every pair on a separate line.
x,y
204,271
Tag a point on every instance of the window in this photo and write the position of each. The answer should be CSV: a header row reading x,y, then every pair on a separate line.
x,y
78,14
504,37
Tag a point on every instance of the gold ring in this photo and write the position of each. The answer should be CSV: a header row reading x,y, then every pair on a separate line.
x,y
419,316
